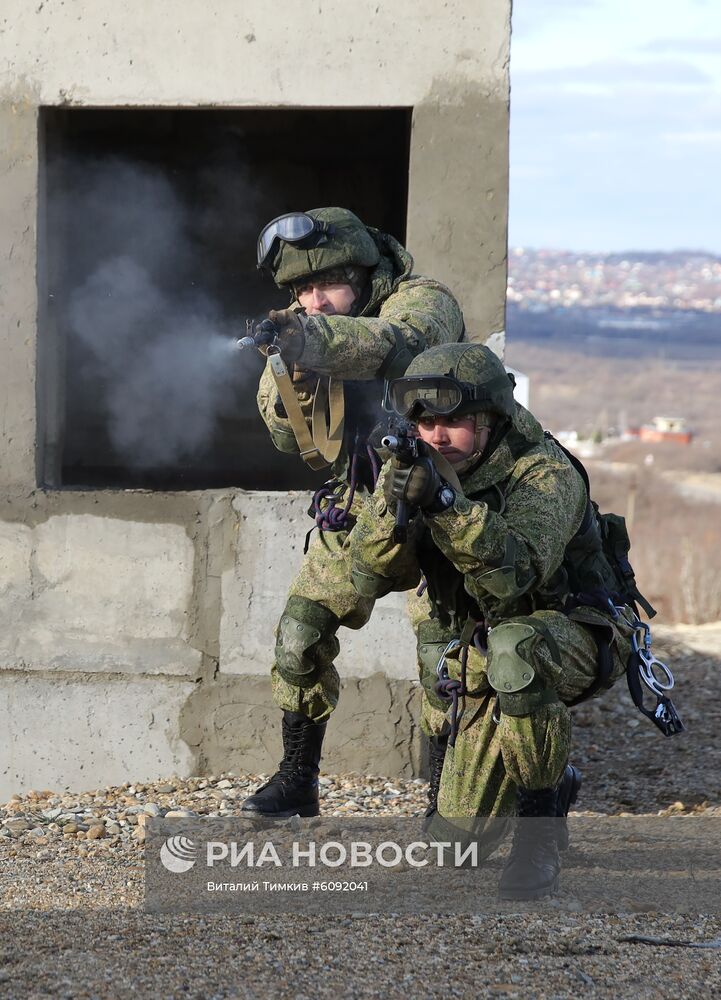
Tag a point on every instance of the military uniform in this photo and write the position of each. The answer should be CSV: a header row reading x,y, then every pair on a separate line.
x,y
497,556
396,316
401,315
504,563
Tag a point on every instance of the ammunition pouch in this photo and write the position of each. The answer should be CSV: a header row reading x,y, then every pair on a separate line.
x,y
306,642
511,672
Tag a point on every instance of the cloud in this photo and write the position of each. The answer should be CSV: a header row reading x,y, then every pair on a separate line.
x,y
623,148
608,73
687,46
615,167
703,138
531,16
539,117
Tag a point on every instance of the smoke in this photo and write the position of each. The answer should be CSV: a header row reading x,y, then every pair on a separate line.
x,y
152,344
165,366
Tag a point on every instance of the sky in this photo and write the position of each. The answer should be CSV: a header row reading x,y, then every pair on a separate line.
x,y
616,125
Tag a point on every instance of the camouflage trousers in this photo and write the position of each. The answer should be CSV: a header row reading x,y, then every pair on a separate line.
x,y
491,758
324,579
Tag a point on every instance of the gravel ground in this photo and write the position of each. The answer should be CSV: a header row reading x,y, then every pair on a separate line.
x,y
71,884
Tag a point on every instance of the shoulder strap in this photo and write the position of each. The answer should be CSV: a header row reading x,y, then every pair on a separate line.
x,y
573,459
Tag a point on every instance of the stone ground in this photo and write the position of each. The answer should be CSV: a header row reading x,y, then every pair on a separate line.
x,y
71,889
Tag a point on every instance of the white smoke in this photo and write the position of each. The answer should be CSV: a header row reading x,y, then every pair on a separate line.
x,y
165,367
155,348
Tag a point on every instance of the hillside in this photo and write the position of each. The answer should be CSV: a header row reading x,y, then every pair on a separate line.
x,y
670,493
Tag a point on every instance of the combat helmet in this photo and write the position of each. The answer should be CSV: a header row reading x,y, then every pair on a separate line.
x,y
299,244
454,380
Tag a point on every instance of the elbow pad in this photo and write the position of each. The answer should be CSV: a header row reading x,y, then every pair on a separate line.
x,y
369,584
503,582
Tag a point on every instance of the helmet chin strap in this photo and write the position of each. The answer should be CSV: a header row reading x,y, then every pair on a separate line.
x,y
468,463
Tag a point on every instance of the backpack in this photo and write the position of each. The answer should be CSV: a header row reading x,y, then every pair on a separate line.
x,y
596,558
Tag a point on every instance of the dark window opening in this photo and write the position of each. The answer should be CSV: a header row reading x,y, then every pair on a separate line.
x,y
147,229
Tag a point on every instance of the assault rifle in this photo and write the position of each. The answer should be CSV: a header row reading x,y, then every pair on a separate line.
x,y
404,445
258,335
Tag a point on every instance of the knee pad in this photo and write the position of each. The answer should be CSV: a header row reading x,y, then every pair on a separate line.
x,y
511,672
431,645
306,642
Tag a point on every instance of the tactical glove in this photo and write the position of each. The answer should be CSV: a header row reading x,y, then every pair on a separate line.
x,y
417,484
291,333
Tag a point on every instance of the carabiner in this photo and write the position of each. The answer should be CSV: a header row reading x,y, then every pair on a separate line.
x,y
442,669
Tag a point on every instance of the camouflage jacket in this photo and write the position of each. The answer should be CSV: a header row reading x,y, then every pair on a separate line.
x,y
404,315
499,550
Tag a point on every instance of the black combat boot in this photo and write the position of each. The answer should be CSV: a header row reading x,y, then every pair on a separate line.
x,y
436,755
566,794
293,789
533,865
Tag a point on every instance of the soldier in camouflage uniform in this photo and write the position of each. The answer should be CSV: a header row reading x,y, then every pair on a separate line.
x,y
506,539
358,314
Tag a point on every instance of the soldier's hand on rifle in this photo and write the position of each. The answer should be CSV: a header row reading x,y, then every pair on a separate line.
x,y
291,333
416,484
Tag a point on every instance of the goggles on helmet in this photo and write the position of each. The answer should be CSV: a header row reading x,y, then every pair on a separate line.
x,y
439,394
295,227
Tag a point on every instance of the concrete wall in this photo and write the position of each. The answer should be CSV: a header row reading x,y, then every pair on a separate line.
x,y
135,628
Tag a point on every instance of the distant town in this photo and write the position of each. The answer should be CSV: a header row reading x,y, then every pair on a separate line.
x,y
549,279
620,348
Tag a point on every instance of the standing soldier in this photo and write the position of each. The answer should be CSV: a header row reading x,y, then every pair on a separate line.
x,y
358,316
529,609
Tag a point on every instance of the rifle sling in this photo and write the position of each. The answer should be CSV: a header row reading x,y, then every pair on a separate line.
x,y
327,419
309,451
444,468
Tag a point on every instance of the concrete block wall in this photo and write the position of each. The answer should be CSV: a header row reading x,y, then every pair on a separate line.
x,y
135,647
136,627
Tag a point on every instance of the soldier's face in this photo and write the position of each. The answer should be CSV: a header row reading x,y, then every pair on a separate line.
x,y
329,298
454,437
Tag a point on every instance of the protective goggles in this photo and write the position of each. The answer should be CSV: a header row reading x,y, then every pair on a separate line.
x,y
442,395
295,227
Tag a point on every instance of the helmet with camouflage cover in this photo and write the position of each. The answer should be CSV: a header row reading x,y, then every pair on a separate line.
x,y
454,379
348,245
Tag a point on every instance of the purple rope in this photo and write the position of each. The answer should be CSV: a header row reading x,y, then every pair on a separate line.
x,y
335,518
451,690
375,464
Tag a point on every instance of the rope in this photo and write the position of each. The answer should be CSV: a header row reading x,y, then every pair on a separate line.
x,y
324,507
333,517
452,690
375,464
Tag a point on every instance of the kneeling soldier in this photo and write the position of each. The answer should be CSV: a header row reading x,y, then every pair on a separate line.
x,y
504,533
